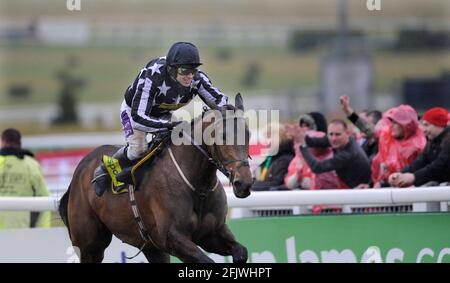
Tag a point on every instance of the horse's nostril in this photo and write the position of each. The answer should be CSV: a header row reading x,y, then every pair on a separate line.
x,y
242,185
237,184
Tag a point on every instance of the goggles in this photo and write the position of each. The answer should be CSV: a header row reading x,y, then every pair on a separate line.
x,y
186,71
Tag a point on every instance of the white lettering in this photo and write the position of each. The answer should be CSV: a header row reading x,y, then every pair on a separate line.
x,y
394,254
443,253
236,133
333,256
424,252
265,256
195,273
308,256
372,255
291,250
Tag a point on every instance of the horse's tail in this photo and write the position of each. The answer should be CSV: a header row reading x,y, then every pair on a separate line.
x,y
63,208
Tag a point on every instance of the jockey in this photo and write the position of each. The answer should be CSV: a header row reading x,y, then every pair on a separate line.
x,y
163,86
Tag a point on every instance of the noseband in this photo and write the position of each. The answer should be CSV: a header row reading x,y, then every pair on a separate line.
x,y
221,165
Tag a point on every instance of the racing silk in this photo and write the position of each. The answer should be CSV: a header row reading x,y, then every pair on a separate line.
x,y
154,95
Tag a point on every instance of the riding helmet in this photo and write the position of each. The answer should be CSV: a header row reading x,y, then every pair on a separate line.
x,y
183,53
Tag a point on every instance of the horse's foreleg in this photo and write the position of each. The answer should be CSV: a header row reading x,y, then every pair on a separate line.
x,y
182,247
155,255
222,242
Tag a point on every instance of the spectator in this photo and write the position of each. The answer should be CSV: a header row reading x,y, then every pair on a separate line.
x,y
433,164
20,176
299,174
314,121
400,142
365,124
349,160
274,168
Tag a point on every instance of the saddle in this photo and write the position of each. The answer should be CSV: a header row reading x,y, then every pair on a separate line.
x,y
138,170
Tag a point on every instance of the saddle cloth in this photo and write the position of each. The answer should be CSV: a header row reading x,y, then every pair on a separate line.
x,y
113,167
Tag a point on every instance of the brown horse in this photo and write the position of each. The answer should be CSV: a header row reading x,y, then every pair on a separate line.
x,y
180,214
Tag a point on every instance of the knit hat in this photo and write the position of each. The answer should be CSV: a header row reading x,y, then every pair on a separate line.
x,y
437,116
315,120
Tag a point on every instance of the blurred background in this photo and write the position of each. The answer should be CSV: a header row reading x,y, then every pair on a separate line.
x,y
63,72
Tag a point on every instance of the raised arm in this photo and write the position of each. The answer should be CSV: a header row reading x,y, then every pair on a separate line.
x,y
363,125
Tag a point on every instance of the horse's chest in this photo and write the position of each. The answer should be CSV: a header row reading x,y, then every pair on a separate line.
x,y
203,224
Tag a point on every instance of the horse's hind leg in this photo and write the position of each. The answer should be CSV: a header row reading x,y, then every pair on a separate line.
x,y
222,242
92,244
155,255
88,234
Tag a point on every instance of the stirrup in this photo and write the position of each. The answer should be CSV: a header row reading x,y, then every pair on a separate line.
x,y
100,180
99,176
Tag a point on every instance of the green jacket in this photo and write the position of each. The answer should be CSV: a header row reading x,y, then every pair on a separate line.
x,y
21,176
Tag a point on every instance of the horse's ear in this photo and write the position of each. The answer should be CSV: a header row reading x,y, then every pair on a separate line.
x,y
238,103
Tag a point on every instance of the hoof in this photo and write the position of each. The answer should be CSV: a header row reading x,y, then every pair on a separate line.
x,y
240,255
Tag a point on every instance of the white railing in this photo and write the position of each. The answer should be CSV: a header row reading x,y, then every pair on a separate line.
x,y
355,196
281,199
29,203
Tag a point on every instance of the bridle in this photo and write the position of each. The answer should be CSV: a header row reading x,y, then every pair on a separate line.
x,y
220,164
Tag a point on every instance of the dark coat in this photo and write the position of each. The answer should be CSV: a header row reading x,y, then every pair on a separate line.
x,y
350,162
278,168
433,164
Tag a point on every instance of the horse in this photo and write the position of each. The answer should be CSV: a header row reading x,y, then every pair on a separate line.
x,y
181,202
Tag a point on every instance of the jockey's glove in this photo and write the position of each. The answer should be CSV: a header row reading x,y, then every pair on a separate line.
x,y
172,125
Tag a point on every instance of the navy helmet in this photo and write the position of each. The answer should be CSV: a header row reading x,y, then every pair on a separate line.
x,y
183,53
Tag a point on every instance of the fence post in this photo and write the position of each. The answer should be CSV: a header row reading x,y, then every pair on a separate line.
x,y
427,207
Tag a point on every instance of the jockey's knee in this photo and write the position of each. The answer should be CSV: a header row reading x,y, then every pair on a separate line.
x,y
137,145
136,151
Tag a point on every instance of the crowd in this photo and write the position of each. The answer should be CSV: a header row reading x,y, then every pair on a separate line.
x,y
370,149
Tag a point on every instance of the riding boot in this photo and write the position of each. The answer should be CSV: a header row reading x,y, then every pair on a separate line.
x,y
126,165
101,180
